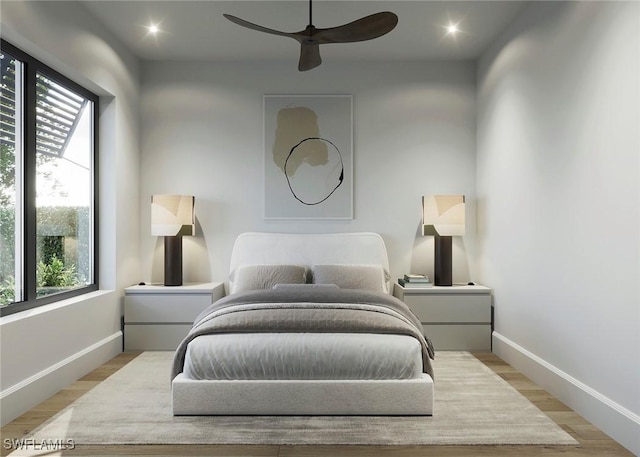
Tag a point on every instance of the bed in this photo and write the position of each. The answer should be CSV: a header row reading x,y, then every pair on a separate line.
x,y
308,327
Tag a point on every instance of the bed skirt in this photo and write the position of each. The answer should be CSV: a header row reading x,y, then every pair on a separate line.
x,y
291,397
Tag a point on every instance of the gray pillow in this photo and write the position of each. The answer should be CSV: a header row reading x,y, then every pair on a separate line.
x,y
252,277
345,276
304,286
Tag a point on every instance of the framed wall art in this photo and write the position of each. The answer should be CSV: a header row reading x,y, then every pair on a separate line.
x,y
308,156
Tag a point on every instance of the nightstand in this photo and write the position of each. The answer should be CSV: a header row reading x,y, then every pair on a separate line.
x,y
455,318
157,317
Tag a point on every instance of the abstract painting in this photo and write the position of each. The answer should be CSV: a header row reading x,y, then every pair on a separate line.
x,y
308,156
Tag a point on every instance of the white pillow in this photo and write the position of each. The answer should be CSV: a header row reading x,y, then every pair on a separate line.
x,y
345,276
253,277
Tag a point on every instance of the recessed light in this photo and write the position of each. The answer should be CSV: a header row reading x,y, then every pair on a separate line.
x,y
452,29
153,29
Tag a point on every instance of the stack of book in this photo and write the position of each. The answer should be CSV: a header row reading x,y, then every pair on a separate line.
x,y
415,280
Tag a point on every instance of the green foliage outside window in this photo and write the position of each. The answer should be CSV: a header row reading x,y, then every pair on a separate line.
x,y
7,291
55,274
62,261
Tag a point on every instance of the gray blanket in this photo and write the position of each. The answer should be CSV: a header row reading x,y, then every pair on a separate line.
x,y
307,310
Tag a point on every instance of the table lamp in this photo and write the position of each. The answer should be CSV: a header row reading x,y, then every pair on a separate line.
x,y
172,216
443,218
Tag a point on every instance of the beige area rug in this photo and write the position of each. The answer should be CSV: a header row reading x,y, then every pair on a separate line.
x,y
473,406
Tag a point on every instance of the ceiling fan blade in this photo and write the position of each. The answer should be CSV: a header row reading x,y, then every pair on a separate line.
x,y
310,39
259,28
309,56
366,28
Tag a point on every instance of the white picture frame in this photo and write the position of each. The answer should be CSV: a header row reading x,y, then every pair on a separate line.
x,y
308,156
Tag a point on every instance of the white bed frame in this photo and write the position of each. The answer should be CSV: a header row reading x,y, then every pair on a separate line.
x,y
305,397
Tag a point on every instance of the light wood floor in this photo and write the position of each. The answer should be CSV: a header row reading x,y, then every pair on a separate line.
x,y
592,441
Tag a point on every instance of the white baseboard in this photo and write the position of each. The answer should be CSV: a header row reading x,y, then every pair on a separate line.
x,y
19,398
616,421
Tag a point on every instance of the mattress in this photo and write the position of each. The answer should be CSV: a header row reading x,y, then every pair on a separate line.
x,y
303,356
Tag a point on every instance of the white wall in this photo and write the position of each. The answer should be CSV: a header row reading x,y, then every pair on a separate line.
x,y
202,134
559,201
47,348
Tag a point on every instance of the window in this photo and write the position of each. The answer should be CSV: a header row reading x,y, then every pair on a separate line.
x,y
48,184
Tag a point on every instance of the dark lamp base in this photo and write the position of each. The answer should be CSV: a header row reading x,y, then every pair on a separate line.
x,y
443,263
173,260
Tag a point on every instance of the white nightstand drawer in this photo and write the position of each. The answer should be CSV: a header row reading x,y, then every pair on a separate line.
x,y
463,337
450,308
164,308
149,337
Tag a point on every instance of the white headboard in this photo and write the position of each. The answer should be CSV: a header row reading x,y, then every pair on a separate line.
x,y
364,248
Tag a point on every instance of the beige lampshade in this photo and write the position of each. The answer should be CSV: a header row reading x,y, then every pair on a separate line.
x,y
172,215
443,215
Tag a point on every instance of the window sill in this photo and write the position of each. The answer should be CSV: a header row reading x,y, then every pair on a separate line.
x,y
28,313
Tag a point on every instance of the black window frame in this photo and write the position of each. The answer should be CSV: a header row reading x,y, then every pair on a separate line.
x,y
31,67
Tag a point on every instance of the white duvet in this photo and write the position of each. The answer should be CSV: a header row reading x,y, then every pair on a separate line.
x,y
259,356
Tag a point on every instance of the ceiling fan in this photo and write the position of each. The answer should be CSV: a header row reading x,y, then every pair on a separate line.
x,y
311,38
